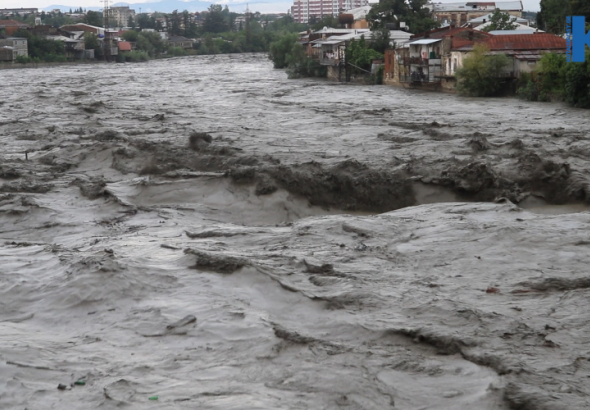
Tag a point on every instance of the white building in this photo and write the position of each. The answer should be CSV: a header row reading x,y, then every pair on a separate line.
x,y
305,10
119,16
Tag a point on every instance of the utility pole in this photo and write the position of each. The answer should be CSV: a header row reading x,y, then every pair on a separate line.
x,y
247,25
106,42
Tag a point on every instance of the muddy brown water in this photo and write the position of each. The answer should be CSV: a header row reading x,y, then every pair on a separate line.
x,y
274,234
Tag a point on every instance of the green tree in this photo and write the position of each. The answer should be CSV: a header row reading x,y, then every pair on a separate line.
x,y
577,83
130,22
174,21
327,21
41,49
143,21
552,16
481,74
280,49
91,43
130,35
215,20
151,42
501,21
360,55
580,8
381,40
93,18
414,13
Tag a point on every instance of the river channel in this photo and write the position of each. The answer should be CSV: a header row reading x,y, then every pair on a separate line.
x,y
202,232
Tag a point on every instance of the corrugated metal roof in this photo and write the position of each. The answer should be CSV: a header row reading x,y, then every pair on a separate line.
x,y
475,6
12,23
487,18
124,46
519,26
513,32
359,13
425,41
539,41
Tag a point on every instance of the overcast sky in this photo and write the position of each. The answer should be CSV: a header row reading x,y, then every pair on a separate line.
x,y
532,5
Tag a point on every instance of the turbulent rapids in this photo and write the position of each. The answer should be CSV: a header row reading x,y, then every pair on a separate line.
x,y
203,233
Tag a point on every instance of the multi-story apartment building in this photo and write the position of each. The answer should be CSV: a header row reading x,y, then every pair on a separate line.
x,y
20,11
305,10
119,16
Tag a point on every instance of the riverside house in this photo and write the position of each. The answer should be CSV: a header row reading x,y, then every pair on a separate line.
x,y
431,60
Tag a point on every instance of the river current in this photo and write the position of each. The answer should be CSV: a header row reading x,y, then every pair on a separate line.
x,y
202,232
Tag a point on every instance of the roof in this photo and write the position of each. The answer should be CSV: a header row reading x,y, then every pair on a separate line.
x,y
329,30
64,39
487,17
178,38
359,13
12,23
514,32
538,41
475,6
518,26
425,41
394,35
124,45
439,32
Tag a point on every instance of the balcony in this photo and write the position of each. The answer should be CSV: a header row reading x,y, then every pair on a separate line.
x,y
418,78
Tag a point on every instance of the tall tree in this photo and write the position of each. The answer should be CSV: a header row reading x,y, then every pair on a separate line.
x,y
414,13
93,18
580,8
215,21
551,18
501,21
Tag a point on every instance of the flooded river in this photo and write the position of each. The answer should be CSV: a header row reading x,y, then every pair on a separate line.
x,y
202,232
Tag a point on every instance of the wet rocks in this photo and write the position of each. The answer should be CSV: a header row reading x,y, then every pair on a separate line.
x,y
221,263
187,320
349,185
199,140
92,188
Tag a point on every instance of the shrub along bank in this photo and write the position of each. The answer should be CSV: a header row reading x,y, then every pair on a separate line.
x,y
557,80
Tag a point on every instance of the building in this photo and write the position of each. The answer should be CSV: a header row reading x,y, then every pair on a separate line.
x,y
20,11
422,61
9,27
484,21
359,16
305,11
119,16
75,48
523,50
180,41
13,47
518,30
87,28
462,12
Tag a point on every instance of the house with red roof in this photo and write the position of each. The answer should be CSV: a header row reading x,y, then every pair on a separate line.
x,y
523,50
422,60
9,27
430,60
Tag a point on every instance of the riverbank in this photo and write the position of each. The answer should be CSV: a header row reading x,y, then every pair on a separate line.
x,y
214,188
10,66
